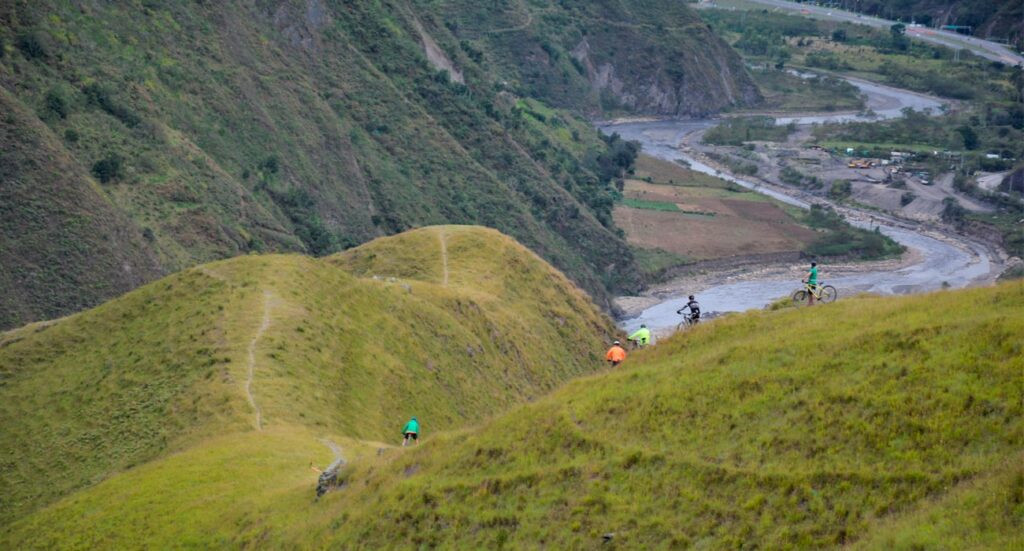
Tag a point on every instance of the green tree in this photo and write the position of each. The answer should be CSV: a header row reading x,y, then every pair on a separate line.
x,y
969,136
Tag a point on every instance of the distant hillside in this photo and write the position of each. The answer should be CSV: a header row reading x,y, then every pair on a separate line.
x,y
995,19
449,323
634,56
193,131
874,422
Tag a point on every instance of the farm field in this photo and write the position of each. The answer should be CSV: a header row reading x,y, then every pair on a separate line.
x,y
698,217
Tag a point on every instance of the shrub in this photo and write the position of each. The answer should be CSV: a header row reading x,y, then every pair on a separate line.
x,y
841,189
907,198
952,211
71,135
103,98
31,46
56,103
108,169
270,165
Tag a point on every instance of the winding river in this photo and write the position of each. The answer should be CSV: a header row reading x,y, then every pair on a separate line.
x,y
945,261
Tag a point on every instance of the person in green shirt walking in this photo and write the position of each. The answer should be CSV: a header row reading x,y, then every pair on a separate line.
x,y
411,431
642,336
812,282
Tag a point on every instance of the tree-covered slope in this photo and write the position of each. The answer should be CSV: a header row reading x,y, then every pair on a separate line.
x,y
341,347
211,129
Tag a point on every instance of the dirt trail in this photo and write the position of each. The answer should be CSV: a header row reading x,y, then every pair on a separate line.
x,y
443,238
329,476
339,460
521,27
264,324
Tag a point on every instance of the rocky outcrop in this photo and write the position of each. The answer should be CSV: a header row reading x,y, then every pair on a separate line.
x,y
654,57
436,56
693,84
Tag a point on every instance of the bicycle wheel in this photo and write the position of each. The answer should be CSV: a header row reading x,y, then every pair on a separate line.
x,y
828,293
800,296
683,325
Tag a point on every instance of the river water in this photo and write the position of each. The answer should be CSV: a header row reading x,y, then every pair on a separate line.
x,y
944,262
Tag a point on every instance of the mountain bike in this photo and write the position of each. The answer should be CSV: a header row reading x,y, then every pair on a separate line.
x,y
823,293
688,322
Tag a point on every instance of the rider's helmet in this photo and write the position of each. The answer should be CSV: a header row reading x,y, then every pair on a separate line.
x,y
616,342
643,325
813,264
691,297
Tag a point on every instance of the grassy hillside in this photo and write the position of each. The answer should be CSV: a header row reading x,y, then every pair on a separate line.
x,y
212,129
449,323
886,423
63,245
879,423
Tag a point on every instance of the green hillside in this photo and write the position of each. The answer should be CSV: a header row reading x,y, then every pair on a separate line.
x,y
890,423
477,325
880,423
195,131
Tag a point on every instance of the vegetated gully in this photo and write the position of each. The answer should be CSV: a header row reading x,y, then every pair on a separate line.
x,y
945,259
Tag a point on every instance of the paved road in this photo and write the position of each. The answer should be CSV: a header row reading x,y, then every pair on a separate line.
x,y
984,48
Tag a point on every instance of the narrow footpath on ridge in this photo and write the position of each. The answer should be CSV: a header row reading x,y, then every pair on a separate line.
x,y
264,325
443,238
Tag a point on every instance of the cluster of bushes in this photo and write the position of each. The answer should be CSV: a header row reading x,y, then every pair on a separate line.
x,y
737,130
826,60
843,239
736,166
840,189
796,178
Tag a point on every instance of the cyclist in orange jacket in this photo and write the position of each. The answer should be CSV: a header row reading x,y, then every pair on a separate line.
x,y
615,354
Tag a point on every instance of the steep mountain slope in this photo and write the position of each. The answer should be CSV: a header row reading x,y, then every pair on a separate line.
x,y
879,423
63,245
285,345
219,128
651,57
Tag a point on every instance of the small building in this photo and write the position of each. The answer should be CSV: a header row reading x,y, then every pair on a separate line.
x,y
900,157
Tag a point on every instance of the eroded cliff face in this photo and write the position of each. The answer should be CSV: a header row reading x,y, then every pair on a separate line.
x,y
691,84
601,58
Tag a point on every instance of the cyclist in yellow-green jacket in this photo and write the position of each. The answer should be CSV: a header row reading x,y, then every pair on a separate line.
x,y
642,336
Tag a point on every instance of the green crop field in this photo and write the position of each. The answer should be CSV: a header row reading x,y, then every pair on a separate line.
x,y
650,205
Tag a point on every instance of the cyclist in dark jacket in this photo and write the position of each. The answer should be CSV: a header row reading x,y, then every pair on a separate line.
x,y
694,310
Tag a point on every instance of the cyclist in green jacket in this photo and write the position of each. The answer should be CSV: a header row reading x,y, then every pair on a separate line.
x,y
642,336
812,282
411,431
